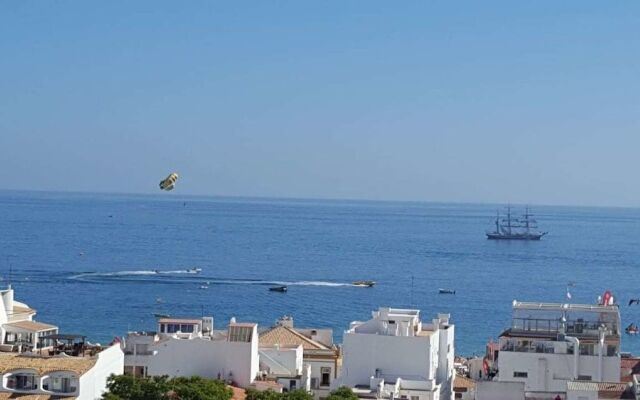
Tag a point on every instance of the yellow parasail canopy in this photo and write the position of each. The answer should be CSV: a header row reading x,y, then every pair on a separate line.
x,y
169,182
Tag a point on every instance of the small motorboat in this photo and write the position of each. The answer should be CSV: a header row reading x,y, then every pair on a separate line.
x,y
204,287
632,329
159,315
194,270
364,283
446,291
281,289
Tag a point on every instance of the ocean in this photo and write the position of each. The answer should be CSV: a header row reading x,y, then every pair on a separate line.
x,y
101,264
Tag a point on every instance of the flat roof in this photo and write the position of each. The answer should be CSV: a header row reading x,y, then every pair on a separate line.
x,y
179,321
522,305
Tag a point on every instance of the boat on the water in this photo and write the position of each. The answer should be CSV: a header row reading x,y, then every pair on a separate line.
x,y
510,228
446,291
159,315
194,270
364,283
281,289
632,329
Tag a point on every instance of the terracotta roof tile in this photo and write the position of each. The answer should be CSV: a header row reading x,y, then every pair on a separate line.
x,y
628,368
462,382
6,396
282,335
32,326
45,365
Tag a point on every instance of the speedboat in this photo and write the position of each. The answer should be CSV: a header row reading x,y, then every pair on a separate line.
x,y
159,315
446,291
194,270
204,287
364,283
632,329
281,289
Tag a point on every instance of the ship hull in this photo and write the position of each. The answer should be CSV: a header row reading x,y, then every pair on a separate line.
x,y
496,236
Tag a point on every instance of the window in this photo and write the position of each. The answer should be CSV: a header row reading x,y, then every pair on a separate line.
x,y
326,376
10,338
292,385
142,349
184,328
517,374
314,383
26,382
240,333
612,350
62,385
584,377
162,330
415,397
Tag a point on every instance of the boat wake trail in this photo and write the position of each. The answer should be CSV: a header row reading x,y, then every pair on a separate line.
x,y
189,277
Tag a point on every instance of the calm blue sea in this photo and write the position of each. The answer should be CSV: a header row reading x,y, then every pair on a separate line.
x,y
86,261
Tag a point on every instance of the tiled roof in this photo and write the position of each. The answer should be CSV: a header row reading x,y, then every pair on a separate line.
x,y
462,382
7,396
238,393
606,390
628,368
45,365
23,310
284,336
32,326
583,386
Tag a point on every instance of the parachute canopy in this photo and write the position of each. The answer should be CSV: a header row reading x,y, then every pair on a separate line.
x,y
169,182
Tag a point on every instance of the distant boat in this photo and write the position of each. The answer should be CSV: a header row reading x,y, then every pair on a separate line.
x,y
514,229
204,287
194,270
446,291
364,283
281,289
159,315
632,329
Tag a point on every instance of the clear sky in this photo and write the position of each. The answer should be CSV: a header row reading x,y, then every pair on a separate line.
x,y
478,101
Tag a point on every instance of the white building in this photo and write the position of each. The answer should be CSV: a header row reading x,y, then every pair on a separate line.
x,y
395,355
188,347
314,369
18,330
35,362
549,345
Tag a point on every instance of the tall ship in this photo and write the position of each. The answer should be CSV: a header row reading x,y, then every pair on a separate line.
x,y
510,228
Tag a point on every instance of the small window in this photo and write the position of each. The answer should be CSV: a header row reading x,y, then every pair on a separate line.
x,y
392,322
326,376
584,377
415,397
517,374
314,383
292,385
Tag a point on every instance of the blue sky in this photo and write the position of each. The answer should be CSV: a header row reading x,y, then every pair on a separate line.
x,y
521,102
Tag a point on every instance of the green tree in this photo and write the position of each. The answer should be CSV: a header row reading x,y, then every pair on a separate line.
x,y
342,393
299,394
124,387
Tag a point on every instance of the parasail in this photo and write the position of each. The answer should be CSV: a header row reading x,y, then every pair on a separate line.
x,y
169,182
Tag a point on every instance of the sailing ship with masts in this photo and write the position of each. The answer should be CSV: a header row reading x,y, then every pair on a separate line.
x,y
511,228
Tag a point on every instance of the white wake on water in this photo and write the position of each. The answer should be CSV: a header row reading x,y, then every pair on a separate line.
x,y
95,276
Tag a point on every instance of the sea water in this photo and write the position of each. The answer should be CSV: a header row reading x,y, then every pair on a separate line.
x,y
101,265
